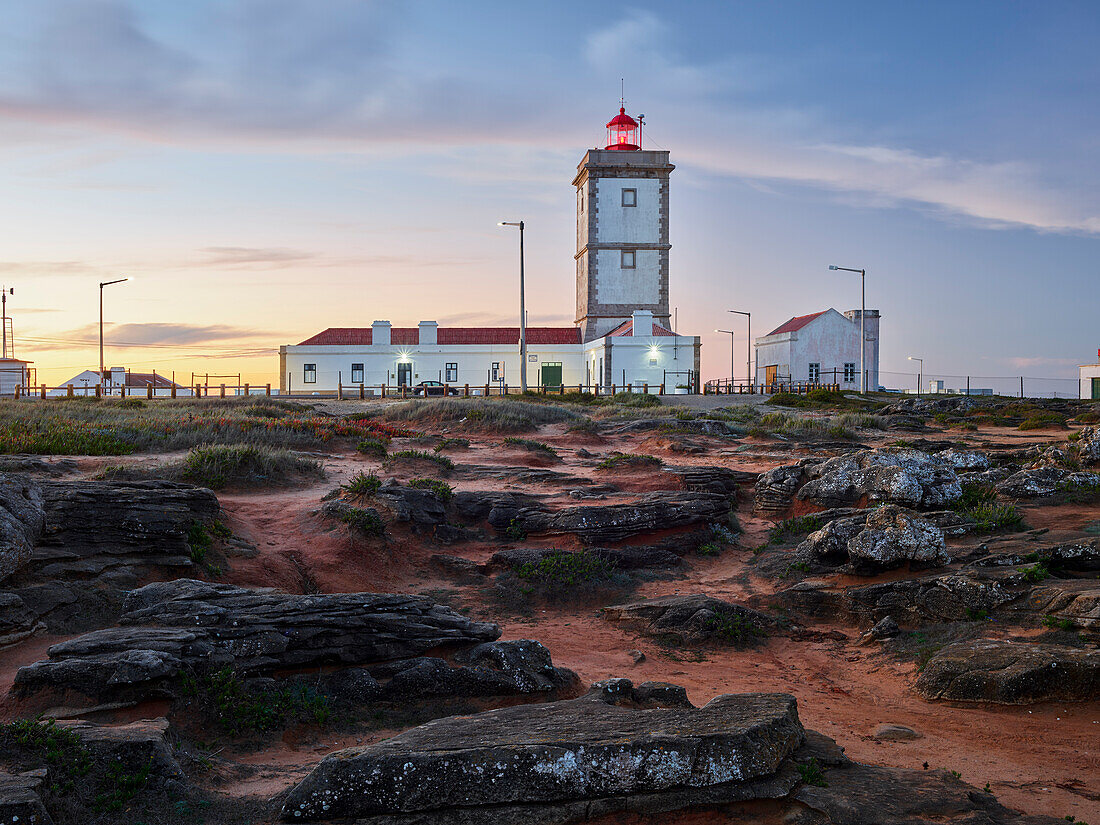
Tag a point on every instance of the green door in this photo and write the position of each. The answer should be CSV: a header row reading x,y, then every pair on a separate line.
x,y
1096,389
551,374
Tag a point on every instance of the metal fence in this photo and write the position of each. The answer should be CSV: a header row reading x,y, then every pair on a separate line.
x,y
1018,386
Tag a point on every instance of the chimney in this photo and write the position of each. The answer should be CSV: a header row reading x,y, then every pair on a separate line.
x,y
429,333
643,324
380,333
118,376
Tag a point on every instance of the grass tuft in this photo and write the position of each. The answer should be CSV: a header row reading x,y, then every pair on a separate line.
x,y
218,466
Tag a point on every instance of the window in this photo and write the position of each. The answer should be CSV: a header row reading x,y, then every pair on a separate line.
x,y
357,373
849,372
452,373
496,370
628,259
630,197
309,373
815,372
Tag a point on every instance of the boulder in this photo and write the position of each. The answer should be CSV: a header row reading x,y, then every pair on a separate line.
x,y
22,520
477,505
694,619
965,460
561,761
94,527
774,490
421,509
857,794
614,522
886,537
1011,673
170,626
895,475
1077,556
1088,445
896,733
712,479
1042,482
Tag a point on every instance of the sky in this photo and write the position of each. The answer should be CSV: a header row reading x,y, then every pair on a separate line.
x,y
263,169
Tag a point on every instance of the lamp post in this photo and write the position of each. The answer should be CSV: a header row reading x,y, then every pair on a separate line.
x,y
920,373
862,323
4,293
522,312
750,376
729,332
101,285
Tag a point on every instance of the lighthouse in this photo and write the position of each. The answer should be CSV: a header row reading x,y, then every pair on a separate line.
x,y
622,230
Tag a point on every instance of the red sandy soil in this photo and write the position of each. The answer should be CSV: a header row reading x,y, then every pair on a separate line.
x,y
1040,758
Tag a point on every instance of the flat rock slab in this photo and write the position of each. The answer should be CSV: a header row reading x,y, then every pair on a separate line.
x,y
581,750
1010,673
693,619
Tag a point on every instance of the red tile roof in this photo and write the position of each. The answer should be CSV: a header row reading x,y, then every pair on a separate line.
x,y
796,323
410,336
627,328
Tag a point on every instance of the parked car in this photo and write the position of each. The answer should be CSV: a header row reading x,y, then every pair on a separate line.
x,y
433,388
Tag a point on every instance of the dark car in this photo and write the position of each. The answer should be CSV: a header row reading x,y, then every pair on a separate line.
x,y
433,388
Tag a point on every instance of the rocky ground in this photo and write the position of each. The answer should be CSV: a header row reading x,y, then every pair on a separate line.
x,y
813,611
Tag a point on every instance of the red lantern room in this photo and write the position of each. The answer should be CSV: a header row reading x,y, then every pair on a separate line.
x,y
622,132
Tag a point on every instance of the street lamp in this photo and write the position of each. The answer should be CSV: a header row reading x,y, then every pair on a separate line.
x,y
522,311
920,374
729,332
101,285
751,377
862,323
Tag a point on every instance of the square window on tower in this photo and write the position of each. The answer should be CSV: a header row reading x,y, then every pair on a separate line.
x,y
628,259
630,197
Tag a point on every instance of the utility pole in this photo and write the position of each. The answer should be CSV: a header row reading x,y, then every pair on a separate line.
x,y
5,293
750,377
862,324
102,378
522,312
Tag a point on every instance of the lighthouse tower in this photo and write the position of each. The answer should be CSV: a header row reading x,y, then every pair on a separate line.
x,y
622,231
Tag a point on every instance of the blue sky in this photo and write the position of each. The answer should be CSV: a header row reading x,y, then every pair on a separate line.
x,y
266,168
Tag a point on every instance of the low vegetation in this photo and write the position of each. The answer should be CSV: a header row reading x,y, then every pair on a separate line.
x,y
622,461
362,484
784,424
441,490
979,504
239,710
111,426
374,447
364,520
579,577
783,531
531,446
218,466
483,414
402,456
1042,421
820,399
452,444
734,629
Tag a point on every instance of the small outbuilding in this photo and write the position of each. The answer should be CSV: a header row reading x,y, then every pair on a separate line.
x,y
819,347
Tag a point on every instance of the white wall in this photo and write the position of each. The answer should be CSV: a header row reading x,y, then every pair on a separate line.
x,y
628,224
615,285
830,340
1088,372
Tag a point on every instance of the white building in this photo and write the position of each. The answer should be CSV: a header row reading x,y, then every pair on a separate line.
x,y
117,380
1090,379
621,334
14,372
822,347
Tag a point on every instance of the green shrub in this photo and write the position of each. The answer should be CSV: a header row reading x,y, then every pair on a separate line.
x,y
362,484
441,490
445,464
1043,420
1035,573
793,528
496,415
376,447
531,446
586,426
366,521
618,461
559,570
811,773
217,466
452,444
734,629
709,549
1055,623
990,517
238,710
199,541
515,531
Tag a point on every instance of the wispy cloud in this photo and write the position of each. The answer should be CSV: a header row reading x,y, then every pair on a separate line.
x,y
252,257
152,334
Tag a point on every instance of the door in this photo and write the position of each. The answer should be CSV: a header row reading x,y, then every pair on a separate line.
x,y
551,375
404,374
1096,389
770,374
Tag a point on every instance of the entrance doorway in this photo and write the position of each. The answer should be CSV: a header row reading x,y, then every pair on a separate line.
x,y
1096,389
551,374
770,374
404,374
